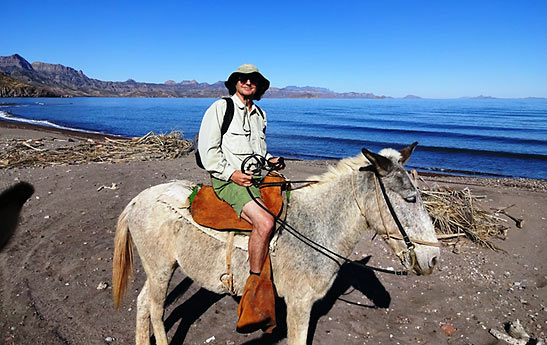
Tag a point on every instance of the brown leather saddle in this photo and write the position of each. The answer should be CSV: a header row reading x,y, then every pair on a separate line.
x,y
209,211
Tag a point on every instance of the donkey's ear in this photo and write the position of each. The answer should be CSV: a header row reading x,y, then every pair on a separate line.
x,y
406,152
382,164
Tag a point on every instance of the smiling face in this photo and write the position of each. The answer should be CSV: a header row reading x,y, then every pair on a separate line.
x,y
245,87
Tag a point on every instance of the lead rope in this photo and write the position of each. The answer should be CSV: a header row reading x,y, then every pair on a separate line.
x,y
357,200
382,216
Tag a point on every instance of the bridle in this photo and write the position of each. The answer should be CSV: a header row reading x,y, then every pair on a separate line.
x,y
333,255
410,246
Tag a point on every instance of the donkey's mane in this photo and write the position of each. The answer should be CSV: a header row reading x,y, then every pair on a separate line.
x,y
351,164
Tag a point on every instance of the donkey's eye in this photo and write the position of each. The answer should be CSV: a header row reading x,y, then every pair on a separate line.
x,y
410,198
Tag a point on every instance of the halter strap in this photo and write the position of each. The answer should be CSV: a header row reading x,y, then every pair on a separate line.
x,y
388,235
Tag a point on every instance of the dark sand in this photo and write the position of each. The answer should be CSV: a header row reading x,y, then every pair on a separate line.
x,y
62,250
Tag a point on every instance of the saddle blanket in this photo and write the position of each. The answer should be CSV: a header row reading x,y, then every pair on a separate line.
x,y
176,198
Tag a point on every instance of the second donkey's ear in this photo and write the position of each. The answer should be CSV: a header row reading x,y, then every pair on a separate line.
x,y
382,164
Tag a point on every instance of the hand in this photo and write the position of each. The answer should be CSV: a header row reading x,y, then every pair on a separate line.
x,y
242,178
277,163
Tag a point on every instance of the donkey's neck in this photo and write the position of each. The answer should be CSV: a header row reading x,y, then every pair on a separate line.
x,y
329,213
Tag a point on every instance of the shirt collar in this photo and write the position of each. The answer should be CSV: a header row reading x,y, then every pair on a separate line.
x,y
241,105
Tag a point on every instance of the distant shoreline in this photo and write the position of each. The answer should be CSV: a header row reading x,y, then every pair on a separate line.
x,y
306,98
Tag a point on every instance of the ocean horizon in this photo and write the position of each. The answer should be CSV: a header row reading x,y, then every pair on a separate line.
x,y
486,137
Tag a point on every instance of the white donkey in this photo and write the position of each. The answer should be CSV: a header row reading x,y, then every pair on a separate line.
x,y
335,213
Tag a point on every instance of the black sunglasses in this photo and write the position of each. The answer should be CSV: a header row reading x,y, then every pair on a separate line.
x,y
253,78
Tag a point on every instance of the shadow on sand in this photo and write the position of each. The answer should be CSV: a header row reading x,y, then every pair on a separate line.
x,y
192,309
349,277
11,202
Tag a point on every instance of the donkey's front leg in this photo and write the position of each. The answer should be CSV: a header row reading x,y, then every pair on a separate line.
x,y
298,319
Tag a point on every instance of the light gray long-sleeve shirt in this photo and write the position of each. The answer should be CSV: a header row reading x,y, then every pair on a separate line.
x,y
245,136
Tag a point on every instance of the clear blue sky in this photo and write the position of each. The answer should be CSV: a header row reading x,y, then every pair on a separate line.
x,y
437,49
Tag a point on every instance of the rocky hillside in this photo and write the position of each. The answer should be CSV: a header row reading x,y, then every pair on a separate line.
x,y
10,87
40,79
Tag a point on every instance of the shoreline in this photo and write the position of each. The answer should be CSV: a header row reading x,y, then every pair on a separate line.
x,y
62,131
21,130
518,157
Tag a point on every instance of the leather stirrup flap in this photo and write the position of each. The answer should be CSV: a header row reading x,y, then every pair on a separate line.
x,y
256,309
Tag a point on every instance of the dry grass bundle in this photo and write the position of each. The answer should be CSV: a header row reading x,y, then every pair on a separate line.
x,y
47,151
458,213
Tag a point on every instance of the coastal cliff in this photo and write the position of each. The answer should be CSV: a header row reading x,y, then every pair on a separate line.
x,y
41,79
10,87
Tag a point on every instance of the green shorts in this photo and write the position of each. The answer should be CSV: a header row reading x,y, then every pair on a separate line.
x,y
234,194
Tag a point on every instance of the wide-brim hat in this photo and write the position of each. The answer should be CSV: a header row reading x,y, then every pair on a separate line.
x,y
262,86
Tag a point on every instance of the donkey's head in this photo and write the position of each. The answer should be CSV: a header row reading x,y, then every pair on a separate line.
x,y
400,205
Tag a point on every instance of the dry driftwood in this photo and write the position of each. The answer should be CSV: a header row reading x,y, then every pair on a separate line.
x,y
458,213
17,153
516,335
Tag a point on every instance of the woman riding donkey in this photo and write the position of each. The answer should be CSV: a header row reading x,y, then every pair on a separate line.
x,y
223,144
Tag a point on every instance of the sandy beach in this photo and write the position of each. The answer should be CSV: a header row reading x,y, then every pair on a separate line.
x,y
62,252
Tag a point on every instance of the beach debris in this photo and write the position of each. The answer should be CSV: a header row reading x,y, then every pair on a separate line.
x,y
112,187
516,335
22,153
455,214
448,328
458,214
519,222
31,147
102,285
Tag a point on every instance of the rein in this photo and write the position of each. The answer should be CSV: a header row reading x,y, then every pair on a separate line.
x,y
318,247
324,250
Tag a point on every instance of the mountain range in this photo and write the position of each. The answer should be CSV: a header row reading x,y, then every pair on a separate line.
x,y
19,78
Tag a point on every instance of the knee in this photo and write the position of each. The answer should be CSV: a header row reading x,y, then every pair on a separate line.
x,y
269,223
265,226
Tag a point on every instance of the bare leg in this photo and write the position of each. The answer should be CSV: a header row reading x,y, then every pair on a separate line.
x,y
259,240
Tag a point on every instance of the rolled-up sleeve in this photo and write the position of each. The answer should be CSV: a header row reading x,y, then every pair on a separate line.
x,y
210,141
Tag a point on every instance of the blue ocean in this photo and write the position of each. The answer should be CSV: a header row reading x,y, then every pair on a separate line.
x,y
486,137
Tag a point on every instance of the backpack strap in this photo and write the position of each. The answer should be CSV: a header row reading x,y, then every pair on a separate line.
x,y
259,110
261,114
228,116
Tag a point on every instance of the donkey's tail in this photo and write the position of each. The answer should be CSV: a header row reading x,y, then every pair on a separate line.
x,y
123,259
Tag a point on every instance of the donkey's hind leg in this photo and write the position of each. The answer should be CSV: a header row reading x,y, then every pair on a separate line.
x,y
142,336
157,291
